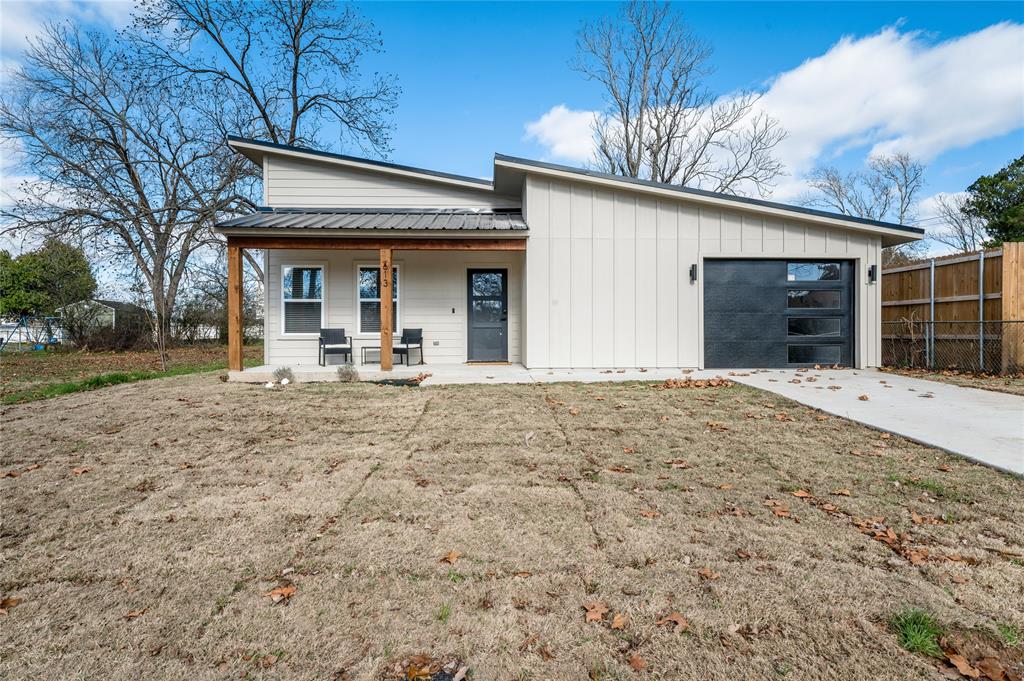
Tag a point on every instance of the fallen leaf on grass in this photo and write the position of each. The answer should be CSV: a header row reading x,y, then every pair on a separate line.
x,y
675,618
650,514
677,463
707,574
574,411
595,611
620,469
962,665
945,469
637,663
725,485
716,427
8,603
132,614
743,555
281,593
628,450
11,474
801,494
619,621
80,470
450,557
842,492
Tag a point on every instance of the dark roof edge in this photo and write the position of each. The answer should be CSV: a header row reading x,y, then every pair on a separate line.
x,y
383,165
703,192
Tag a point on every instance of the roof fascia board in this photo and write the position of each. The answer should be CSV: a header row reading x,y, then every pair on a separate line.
x,y
362,233
902,235
253,149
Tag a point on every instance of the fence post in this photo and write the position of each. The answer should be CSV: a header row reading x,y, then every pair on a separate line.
x,y
981,311
930,344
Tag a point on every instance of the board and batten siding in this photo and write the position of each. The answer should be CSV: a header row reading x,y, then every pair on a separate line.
x,y
431,284
607,273
300,183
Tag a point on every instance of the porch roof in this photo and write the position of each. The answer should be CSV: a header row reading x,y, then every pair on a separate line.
x,y
377,219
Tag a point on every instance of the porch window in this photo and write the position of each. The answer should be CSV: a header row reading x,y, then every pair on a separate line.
x,y
302,291
369,299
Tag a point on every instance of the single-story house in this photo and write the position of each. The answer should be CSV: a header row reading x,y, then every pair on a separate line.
x,y
112,314
550,266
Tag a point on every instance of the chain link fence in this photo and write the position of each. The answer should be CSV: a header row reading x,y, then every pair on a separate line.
x,y
984,347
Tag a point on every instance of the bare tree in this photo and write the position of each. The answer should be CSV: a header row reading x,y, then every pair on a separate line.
x,y
662,123
886,191
962,230
120,160
288,69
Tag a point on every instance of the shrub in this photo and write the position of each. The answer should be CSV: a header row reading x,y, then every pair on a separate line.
x,y
282,373
347,373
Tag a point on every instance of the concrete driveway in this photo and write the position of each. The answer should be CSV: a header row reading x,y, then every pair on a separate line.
x,y
985,426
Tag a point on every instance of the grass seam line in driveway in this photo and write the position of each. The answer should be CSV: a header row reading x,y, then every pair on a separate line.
x,y
107,380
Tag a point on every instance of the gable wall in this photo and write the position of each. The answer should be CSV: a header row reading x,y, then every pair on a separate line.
x,y
295,183
607,273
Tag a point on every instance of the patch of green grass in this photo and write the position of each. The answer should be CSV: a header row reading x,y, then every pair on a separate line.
x,y
918,631
1010,634
106,380
444,614
455,577
938,490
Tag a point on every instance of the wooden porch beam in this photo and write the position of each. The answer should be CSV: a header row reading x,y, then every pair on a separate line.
x,y
386,322
373,244
234,307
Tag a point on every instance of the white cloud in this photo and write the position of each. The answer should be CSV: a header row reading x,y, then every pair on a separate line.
x,y
22,20
566,134
882,93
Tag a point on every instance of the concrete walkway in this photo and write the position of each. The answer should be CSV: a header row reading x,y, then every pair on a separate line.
x,y
985,426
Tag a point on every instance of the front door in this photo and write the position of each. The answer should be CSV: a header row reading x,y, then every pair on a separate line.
x,y
488,316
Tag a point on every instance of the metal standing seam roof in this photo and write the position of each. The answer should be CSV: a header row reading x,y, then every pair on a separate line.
x,y
379,219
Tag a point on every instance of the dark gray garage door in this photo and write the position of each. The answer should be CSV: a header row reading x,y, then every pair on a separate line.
x,y
778,313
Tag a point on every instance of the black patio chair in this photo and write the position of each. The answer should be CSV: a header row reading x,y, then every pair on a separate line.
x,y
411,339
334,342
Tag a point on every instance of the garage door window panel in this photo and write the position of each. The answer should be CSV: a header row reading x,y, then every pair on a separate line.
x,y
813,271
814,354
814,299
814,326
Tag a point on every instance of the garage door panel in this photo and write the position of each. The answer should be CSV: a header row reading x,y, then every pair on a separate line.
x,y
777,313
743,326
743,355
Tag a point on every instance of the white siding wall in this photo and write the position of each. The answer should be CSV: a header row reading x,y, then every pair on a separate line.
x,y
294,183
431,284
607,274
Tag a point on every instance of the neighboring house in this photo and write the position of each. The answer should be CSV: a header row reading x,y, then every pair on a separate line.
x,y
551,266
110,314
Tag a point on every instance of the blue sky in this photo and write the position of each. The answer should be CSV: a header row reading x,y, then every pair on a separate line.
x,y
943,80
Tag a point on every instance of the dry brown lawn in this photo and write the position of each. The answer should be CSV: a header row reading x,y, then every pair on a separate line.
x,y
1012,384
163,512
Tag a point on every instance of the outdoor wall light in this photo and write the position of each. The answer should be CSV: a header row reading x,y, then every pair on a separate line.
x,y
873,274
693,273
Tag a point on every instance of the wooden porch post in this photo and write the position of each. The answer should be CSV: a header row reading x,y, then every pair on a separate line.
x,y
386,322
234,308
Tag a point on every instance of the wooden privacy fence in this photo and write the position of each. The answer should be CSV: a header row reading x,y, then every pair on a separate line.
x,y
957,312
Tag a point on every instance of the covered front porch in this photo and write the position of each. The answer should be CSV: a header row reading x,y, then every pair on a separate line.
x,y
463,293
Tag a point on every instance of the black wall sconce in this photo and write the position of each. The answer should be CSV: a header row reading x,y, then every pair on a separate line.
x,y
693,273
873,274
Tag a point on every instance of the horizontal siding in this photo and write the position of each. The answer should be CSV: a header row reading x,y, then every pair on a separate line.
x,y
293,183
608,280
431,285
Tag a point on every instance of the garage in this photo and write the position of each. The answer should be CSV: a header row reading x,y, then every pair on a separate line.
x,y
778,313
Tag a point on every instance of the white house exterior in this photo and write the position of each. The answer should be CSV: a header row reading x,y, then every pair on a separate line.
x,y
550,266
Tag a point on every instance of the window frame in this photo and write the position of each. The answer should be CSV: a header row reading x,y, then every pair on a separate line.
x,y
398,266
322,265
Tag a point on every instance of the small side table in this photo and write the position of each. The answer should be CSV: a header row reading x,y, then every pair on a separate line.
x,y
362,352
